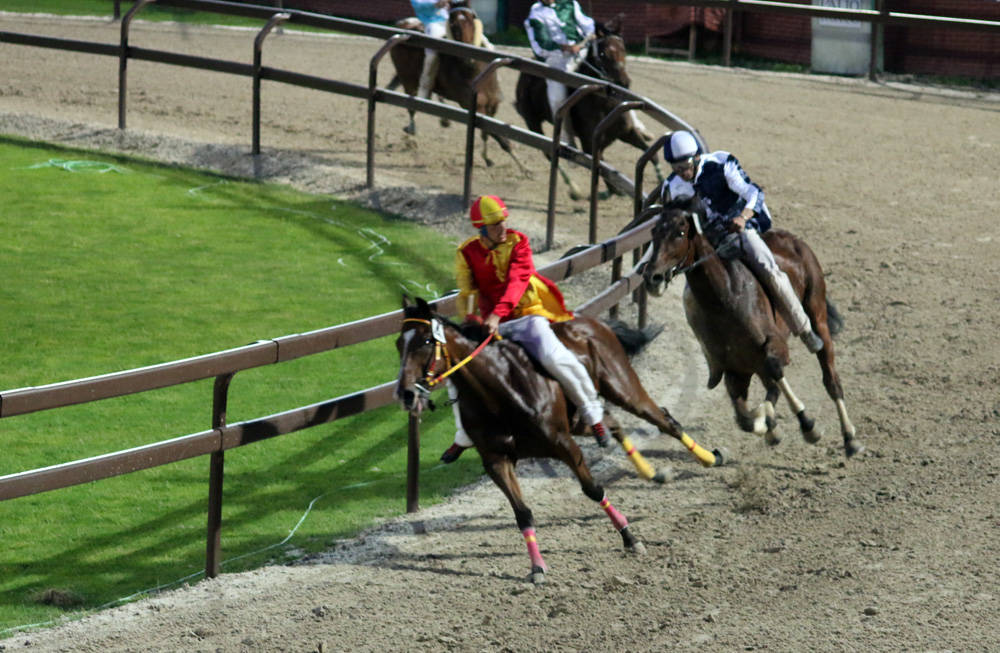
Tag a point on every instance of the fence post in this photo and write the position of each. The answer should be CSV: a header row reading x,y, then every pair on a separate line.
x,y
220,401
123,59
470,131
595,155
557,121
393,41
413,465
258,44
727,31
878,27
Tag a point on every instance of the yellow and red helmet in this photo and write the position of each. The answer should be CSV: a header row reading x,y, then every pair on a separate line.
x,y
487,209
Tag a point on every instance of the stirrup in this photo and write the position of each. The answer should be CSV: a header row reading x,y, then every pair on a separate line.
x,y
600,434
452,453
812,341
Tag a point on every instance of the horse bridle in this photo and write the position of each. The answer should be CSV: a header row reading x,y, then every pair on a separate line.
x,y
441,353
601,72
680,268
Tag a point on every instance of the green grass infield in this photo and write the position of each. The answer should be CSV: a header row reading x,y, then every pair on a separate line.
x,y
114,263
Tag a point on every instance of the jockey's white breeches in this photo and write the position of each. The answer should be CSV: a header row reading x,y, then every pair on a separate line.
x,y
556,91
534,333
759,258
428,73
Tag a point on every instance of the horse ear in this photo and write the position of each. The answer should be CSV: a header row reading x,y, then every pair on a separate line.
x,y
407,302
423,306
614,25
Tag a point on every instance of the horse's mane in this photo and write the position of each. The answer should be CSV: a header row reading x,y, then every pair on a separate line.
x,y
471,330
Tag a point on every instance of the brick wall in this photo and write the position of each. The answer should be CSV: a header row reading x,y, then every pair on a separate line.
x,y
944,51
921,50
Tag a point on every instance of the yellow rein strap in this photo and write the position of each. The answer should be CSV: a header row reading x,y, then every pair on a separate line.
x,y
438,346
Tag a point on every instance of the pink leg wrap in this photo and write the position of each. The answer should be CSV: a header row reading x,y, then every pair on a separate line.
x,y
536,555
617,518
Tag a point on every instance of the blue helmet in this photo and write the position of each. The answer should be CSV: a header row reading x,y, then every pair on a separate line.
x,y
680,146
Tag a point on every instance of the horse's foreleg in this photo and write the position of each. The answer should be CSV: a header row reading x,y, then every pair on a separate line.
x,y
766,411
806,424
486,158
574,190
751,421
573,457
501,470
505,146
411,128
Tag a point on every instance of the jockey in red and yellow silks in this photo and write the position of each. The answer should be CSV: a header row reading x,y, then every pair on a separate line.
x,y
505,280
520,304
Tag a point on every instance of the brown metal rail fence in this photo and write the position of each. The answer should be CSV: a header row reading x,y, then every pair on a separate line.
x,y
224,365
371,93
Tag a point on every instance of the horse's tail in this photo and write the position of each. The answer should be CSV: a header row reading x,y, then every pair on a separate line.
x,y
834,321
632,339
393,83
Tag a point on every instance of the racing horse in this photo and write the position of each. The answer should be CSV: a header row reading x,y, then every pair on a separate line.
x,y
454,76
606,61
512,410
740,332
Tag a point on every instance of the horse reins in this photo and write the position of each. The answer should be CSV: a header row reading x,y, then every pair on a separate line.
x,y
439,348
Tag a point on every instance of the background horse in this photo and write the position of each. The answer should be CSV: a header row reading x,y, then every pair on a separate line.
x,y
454,75
512,410
606,61
733,318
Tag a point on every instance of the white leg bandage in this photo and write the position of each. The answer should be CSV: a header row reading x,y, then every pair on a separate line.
x,y
461,437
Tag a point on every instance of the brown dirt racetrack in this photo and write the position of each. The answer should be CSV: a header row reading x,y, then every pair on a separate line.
x,y
790,548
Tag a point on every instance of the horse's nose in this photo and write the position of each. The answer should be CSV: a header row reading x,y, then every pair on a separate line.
x,y
408,397
655,283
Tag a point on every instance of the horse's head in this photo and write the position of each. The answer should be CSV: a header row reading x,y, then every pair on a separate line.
x,y
421,349
608,53
672,247
462,24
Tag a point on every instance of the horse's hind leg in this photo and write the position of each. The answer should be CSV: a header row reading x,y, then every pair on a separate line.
x,y
621,386
573,457
831,381
646,470
501,470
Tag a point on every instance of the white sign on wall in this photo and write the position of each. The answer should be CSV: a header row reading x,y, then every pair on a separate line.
x,y
841,46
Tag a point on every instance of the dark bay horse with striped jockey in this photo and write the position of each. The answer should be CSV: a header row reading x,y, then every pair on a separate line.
x,y
512,410
740,332
606,61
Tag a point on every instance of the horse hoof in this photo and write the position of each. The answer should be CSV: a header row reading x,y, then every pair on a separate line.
x,y
772,438
852,448
411,130
637,548
660,478
537,576
445,122
722,456
811,436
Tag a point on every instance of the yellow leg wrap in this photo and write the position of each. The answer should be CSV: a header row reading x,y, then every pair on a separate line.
x,y
707,458
644,468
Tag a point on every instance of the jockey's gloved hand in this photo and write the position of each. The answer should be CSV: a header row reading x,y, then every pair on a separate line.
x,y
730,246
